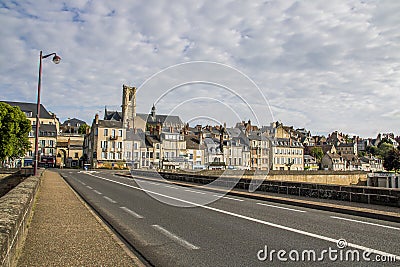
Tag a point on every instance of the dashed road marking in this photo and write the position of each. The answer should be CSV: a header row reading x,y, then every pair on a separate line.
x,y
278,207
110,199
230,198
197,192
97,192
170,186
134,214
178,239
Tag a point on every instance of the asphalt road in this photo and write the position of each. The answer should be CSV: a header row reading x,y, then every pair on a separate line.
x,y
172,226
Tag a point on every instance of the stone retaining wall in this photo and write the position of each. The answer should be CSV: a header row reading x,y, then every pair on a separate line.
x,y
317,177
15,209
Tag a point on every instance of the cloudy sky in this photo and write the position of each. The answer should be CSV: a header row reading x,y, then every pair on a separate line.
x,y
323,65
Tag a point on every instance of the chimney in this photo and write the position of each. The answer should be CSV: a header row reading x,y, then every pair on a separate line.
x,y
158,129
201,137
96,119
221,141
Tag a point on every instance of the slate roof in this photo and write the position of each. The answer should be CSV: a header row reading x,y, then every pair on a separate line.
x,y
285,142
333,156
234,132
346,145
46,129
256,135
113,115
151,139
110,124
73,122
137,135
31,107
193,142
167,119
350,157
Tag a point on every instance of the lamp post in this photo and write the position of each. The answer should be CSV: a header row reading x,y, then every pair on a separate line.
x,y
56,60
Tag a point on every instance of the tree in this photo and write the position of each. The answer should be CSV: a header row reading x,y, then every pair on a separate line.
x,y
373,150
392,160
82,128
317,153
14,129
384,149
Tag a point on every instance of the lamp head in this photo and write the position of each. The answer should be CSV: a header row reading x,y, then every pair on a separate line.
x,y
56,59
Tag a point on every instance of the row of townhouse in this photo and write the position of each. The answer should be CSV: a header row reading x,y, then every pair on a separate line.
x,y
163,141
48,130
211,147
340,151
57,144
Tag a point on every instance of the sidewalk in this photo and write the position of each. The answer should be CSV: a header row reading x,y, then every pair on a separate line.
x,y
64,232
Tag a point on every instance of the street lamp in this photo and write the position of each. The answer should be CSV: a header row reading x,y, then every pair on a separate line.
x,y
56,60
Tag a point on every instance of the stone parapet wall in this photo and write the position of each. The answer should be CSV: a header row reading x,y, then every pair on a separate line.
x,y
15,209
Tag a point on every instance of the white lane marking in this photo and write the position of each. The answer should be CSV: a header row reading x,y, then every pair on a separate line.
x,y
131,212
374,224
83,183
110,199
70,172
230,198
153,183
170,186
97,192
89,187
294,230
278,207
178,239
197,192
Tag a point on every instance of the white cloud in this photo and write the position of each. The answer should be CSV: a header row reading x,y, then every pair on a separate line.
x,y
323,65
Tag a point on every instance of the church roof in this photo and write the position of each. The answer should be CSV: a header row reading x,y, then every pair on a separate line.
x,y
113,116
163,119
